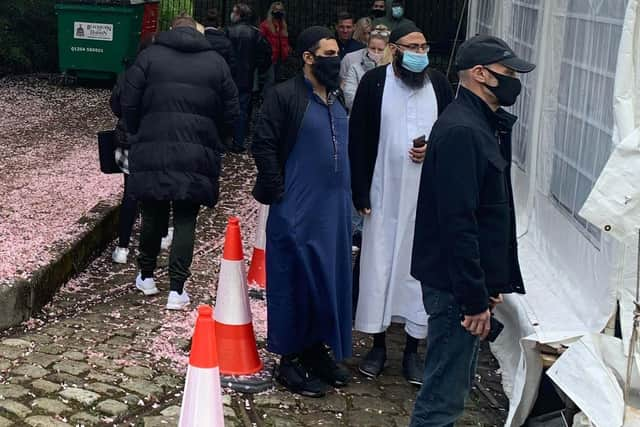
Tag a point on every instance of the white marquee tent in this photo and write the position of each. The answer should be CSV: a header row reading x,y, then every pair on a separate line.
x,y
578,107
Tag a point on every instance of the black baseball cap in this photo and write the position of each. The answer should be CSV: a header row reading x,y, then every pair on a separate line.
x,y
484,50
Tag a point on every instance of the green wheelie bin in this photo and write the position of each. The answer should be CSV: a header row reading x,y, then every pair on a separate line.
x,y
97,38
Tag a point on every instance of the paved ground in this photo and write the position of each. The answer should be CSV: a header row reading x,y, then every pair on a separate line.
x,y
101,354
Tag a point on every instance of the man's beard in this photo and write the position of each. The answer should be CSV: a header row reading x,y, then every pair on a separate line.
x,y
411,79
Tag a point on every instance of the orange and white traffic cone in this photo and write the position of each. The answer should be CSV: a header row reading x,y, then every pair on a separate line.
x,y
237,350
202,399
258,269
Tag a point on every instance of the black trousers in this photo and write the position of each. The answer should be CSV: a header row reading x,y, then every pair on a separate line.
x,y
155,220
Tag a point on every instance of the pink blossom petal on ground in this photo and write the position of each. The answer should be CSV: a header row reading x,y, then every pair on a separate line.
x,y
49,172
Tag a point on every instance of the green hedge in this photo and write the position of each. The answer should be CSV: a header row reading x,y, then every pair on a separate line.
x,y
28,38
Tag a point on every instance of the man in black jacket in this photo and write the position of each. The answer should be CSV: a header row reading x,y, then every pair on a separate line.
x,y
178,102
394,106
218,39
465,249
252,51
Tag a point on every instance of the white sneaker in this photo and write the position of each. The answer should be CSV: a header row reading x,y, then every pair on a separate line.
x,y
120,255
178,301
147,286
166,240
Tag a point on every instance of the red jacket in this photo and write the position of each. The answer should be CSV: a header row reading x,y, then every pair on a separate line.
x,y
279,42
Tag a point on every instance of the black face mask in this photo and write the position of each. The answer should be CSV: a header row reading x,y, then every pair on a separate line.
x,y
327,70
378,13
410,78
278,14
508,89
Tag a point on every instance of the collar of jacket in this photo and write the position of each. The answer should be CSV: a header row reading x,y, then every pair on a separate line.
x,y
184,39
345,43
500,120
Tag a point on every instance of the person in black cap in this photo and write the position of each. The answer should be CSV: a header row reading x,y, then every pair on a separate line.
x,y
300,149
465,249
394,106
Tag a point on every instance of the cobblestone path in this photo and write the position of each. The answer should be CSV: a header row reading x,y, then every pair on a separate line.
x,y
101,354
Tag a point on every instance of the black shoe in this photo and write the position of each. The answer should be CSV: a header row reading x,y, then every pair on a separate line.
x,y
412,369
297,379
319,362
373,363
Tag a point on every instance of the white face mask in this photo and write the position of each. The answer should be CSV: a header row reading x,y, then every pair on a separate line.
x,y
234,18
375,57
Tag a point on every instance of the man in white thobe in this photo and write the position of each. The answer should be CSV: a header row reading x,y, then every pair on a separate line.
x,y
392,116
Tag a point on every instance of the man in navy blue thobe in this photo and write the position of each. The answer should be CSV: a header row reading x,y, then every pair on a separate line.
x,y
300,149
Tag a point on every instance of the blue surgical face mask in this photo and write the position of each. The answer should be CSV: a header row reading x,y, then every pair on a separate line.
x,y
415,62
397,12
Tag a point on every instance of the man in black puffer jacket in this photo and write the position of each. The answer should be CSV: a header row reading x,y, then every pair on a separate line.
x,y
252,52
178,103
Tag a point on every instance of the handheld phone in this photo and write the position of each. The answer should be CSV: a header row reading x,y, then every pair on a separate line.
x,y
420,141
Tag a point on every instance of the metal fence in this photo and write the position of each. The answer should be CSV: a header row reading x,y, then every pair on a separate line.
x,y
438,18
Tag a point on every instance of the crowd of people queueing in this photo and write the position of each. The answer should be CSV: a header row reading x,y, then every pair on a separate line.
x,y
366,140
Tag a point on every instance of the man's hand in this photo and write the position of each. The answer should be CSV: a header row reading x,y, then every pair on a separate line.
x,y
364,212
417,155
478,325
494,301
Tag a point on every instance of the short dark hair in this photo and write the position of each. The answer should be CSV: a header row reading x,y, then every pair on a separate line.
x,y
400,2
344,16
244,10
314,47
183,20
212,19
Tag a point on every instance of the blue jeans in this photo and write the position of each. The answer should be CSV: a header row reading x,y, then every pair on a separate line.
x,y
450,365
242,124
356,220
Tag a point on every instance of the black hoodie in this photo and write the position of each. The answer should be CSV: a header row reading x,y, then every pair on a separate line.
x,y
179,102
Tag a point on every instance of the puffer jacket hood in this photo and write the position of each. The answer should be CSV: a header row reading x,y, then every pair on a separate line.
x,y
184,39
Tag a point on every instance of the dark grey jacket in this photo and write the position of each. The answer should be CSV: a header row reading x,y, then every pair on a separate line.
x,y
465,236
252,51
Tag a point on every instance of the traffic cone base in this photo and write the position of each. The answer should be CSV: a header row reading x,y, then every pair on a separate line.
x,y
237,353
204,386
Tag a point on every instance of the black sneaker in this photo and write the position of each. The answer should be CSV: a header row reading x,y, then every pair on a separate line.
x,y
293,375
412,369
373,363
318,361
